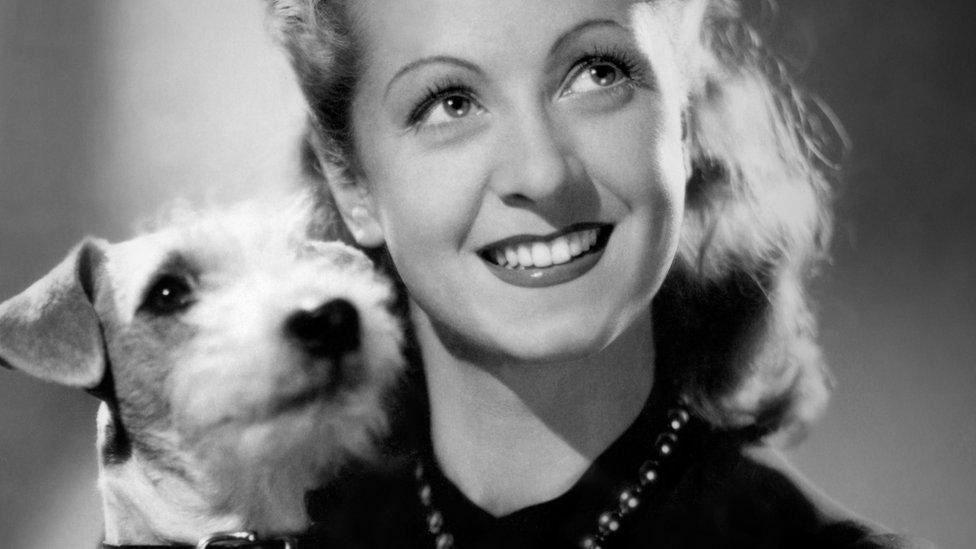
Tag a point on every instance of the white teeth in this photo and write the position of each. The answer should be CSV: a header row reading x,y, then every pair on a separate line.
x,y
540,255
560,250
575,247
544,254
500,258
511,254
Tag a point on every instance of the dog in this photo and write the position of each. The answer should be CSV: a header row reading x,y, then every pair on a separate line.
x,y
238,361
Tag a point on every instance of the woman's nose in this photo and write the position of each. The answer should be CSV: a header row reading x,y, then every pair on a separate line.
x,y
537,162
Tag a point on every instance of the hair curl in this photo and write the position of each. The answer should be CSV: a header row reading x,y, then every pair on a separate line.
x,y
734,330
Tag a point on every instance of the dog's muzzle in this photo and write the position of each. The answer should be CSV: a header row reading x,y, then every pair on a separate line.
x,y
328,331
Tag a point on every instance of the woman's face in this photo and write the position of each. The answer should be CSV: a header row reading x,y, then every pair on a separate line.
x,y
523,163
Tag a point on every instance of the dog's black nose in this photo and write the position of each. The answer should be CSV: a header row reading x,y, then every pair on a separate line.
x,y
328,331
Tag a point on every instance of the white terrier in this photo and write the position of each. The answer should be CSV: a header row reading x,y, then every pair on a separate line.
x,y
237,360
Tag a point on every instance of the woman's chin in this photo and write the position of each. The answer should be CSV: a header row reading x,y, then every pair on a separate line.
x,y
549,344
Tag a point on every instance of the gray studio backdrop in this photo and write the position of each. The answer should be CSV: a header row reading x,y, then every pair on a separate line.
x,y
109,110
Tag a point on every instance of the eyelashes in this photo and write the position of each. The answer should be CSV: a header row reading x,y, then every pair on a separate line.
x,y
632,66
451,99
440,91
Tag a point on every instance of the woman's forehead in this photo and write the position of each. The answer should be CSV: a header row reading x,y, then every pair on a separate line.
x,y
399,31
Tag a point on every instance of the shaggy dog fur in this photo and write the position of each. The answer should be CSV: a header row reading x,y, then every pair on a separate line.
x,y
238,362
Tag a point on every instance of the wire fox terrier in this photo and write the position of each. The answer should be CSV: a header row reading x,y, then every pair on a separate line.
x,y
237,360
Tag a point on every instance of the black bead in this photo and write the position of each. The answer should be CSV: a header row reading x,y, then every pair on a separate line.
x,y
435,521
589,543
445,541
628,501
608,522
649,472
665,443
677,419
424,494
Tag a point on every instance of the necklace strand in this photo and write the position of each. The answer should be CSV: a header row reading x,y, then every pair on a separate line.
x,y
608,522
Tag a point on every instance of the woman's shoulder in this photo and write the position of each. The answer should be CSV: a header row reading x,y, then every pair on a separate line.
x,y
753,491
729,496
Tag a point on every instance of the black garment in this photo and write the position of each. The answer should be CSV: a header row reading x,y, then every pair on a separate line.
x,y
720,493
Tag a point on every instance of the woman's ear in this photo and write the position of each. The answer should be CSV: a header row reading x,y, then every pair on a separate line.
x,y
349,193
355,204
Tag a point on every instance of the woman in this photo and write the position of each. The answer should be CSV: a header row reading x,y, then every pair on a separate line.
x,y
536,173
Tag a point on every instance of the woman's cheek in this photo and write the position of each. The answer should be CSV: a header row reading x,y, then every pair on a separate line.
x,y
435,196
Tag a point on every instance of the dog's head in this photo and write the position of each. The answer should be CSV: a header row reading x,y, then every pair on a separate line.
x,y
226,337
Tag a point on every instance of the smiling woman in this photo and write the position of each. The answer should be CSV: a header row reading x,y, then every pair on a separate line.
x,y
603,214
512,148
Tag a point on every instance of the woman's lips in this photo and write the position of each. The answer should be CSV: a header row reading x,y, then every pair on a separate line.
x,y
534,261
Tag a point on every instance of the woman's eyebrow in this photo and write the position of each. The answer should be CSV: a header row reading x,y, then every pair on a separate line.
x,y
433,59
580,28
451,60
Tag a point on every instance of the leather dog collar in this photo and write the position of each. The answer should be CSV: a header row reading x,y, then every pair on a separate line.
x,y
235,540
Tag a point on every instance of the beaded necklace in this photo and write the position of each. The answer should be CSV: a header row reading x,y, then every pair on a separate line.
x,y
608,522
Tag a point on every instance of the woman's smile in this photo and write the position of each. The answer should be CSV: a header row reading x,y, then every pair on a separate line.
x,y
536,261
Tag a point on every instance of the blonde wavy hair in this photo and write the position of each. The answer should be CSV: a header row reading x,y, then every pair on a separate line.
x,y
734,330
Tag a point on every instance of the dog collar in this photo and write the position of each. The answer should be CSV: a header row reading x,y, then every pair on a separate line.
x,y
235,540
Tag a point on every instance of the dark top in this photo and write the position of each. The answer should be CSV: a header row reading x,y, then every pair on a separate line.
x,y
719,492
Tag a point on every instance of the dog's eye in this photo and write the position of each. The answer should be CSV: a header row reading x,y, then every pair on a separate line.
x,y
170,294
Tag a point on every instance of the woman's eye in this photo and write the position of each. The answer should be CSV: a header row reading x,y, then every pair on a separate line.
x,y
456,106
449,109
594,77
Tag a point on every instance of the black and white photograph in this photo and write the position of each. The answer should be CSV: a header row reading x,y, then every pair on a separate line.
x,y
476,274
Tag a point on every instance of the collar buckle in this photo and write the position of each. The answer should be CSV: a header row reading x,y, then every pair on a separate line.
x,y
242,539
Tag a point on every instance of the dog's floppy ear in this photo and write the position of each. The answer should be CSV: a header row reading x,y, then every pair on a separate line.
x,y
50,330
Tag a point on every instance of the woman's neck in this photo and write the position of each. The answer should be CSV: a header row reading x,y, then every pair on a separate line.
x,y
513,435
